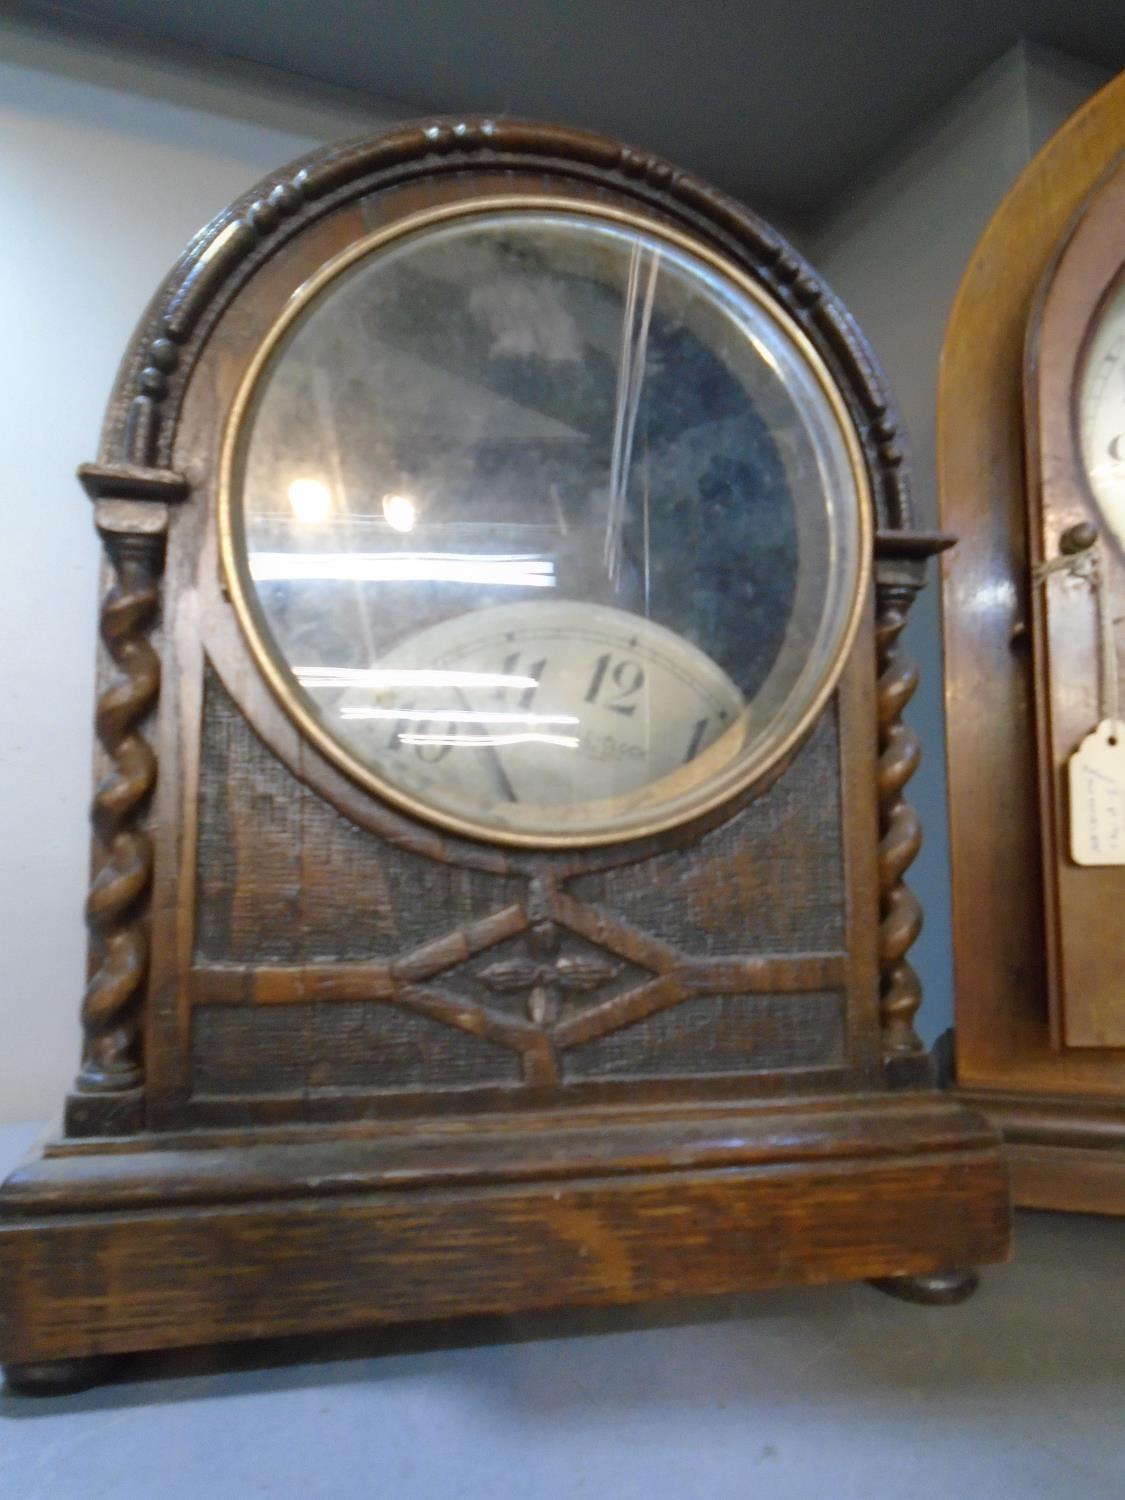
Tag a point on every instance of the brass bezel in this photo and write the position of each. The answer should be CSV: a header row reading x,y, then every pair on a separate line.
x,y
277,673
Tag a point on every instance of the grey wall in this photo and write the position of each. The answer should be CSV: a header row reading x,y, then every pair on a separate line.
x,y
108,165
896,254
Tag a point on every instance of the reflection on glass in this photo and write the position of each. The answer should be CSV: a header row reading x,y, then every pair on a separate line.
x,y
406,677
311,500
399,512
587,535
506,571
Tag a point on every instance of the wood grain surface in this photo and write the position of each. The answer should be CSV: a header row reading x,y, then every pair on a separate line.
x,y
1084,905
1004,1034
203,1245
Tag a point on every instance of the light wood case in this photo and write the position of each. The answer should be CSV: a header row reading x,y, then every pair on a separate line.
x,y
1039,940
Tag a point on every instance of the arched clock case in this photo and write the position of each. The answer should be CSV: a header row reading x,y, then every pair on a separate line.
x,y
499,826
1032,471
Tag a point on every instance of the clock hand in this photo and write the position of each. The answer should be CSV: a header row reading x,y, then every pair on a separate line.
x,y
492,755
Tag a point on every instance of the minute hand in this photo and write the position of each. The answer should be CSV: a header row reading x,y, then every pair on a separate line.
x,y
492,755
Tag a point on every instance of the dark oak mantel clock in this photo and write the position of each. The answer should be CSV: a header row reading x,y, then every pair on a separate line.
x,y
1032,460
500,825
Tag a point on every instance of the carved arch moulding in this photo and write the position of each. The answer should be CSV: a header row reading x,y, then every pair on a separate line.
x,y
141,421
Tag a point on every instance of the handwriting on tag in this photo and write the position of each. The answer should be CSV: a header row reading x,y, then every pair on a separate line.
x,y
1097,797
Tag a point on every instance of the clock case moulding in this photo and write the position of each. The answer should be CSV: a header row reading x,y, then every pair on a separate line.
x,y
166,1213
1040,1004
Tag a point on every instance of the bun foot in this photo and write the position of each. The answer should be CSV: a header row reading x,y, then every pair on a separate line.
x,y
937,1289
57,1377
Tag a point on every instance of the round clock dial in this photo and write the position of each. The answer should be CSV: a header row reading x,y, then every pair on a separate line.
x,y
1101,413
544,522
563,702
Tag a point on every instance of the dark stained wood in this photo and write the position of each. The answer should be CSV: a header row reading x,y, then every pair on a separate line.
x,y
204,1276
1005,1043
900,559
344,1068
283,888
240,1242
207,1167
111,1066
421,159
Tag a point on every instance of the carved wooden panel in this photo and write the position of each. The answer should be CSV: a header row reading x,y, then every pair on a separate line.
x,y
770,880
327,959
289,880
720,1034
291,1049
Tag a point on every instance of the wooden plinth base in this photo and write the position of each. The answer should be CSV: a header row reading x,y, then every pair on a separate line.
x,y
113,1246
1064,1151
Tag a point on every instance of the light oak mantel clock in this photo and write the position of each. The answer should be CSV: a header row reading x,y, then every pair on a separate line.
x,y
1032,470
500,825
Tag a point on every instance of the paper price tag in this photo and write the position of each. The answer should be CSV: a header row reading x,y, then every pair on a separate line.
x,y
1097,797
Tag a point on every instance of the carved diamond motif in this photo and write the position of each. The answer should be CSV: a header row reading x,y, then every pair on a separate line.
x,y
548,981
547,972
